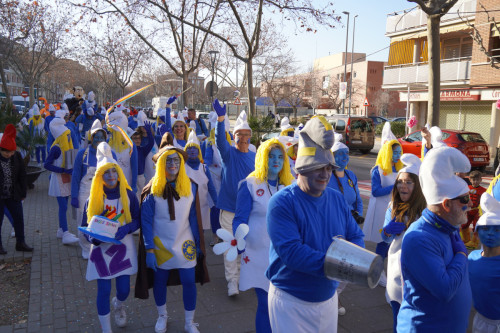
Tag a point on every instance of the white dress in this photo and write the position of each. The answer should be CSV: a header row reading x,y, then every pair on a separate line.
x,y
59,185
200,178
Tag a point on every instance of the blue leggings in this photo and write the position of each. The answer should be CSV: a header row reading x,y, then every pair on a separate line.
x,y
214,219
395,310
37,151
63,207
262,324
382,249
104,292
188,287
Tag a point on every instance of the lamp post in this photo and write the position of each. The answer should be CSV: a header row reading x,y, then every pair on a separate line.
x,y
213,59
352,52
345,57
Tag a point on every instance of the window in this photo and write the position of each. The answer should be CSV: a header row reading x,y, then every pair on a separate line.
x,y
417,136
457,47
354,75
340,125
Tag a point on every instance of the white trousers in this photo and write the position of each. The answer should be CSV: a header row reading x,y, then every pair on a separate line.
x,y
288,314
481,324
231,268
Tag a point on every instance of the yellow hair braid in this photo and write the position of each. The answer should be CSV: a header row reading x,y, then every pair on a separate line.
x,y
64,142
182,183
384,157
117,141
262,163
191,144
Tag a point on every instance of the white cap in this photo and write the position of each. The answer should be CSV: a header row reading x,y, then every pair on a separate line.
x,y
241,123
412,164
285,124
52,108
192,135
338,143
437,137
387,134
57,127
97,126
141,118
104,154
437,174
91,96
491,211
61,113
288,141
36,110
130,131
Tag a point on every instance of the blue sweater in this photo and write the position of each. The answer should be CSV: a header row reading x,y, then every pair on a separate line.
x,y
54,154
132,122
377,189
483,274
236,166
301,228
437,295
350,189
143,150
87,122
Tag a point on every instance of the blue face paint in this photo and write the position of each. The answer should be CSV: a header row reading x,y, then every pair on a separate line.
x,y
396,153
110,178
342,158
173,164
275,163
489,235
97,138
192,153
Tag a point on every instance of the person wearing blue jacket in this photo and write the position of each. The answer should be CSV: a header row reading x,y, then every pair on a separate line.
x,y
201,127
301,221
237,163
436,290
86,119
144,141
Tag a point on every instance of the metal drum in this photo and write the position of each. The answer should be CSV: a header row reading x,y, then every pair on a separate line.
x,y
345,261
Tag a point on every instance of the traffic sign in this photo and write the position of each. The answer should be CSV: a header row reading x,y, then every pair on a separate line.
x,y
366,103
24,94
237,101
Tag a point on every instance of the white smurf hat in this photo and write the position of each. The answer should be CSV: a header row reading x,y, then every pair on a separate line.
x,y
104,155
141,118
57,127
36,110
387,134
491,211
241,123
412,164
179,119
161,113
437,174
338,143
285,124
52,108
117,118
119,108
192,134
97,126
437,137
64,107
61,113
212,119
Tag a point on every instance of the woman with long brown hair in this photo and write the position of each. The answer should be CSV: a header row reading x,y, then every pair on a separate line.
x,y
406,206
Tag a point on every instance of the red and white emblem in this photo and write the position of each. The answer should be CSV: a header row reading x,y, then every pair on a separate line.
x,y
260,192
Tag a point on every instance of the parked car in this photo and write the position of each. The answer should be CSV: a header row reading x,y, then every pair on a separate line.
x,y
270,135
399,119
470,143
378,120
358,132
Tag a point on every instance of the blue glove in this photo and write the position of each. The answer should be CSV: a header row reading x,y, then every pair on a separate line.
x,y
147,125
220,110
395,228
151,261
457,244
122,231
171,100
74,202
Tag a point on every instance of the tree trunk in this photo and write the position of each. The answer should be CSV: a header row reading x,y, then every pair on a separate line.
x,y
184,98
434,57
32,93
295,114
251,101
4,84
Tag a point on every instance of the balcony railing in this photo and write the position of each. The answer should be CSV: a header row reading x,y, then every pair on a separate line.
x,y
416,18
457,69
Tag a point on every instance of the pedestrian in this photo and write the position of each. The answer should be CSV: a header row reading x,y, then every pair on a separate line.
x,y
475,191
437,294
406,207
484,269
13,187
301,221
201,127
111,195
277,120
48,120
36,126
63,113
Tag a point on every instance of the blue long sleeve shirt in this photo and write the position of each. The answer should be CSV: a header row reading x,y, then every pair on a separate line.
x,y
87,122
236,166
350,189
143,150
54,154
483,274
377,189
201,127
75,135
436,289
301,228
134,166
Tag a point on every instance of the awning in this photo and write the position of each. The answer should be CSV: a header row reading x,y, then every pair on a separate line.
x,y
423,33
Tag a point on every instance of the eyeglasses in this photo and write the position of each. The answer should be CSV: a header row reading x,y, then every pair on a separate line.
x,y
406,182
175,161
464,199
243,135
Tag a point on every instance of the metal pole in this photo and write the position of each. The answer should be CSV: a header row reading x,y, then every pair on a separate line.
x,y
212,83
345,58
352,51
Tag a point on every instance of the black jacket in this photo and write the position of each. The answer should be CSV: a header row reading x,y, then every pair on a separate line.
x,y
18,177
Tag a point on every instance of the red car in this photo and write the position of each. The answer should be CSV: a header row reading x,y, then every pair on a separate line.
x,y
470,143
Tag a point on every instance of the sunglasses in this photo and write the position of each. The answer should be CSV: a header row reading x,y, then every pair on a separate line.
x,y
464,199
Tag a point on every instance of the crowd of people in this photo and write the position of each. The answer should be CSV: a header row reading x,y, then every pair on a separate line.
x,y
271,211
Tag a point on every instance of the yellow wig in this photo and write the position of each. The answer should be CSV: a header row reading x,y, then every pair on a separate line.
x,y
191,144
211,138
182,183
96,199
35,121
287,131
262,163
65,144
384,157
117,141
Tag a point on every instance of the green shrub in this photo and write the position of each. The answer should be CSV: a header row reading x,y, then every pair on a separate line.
x,y
260,125
397,127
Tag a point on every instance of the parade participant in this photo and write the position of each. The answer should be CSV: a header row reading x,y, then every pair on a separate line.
x,y
301,221
13,187
37,125
110,193
180,131
271,175
286,128
383,176
163,121
437,296
127,156
475,191
237,163
201,127
84,170
60,177
75,135
86,120
484,269
132,119
172,236
144,141
48,120
199,173
291,146
406,207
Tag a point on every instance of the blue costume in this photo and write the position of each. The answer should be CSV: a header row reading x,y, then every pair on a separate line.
x,y
483,275
144,149
349,187
50,138
38,149
86,121
132,122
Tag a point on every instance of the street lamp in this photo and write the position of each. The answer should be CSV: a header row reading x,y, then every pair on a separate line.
x,y
345,57
352,52
213,59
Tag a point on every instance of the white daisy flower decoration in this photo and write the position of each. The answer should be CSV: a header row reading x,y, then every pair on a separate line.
x,y
231,243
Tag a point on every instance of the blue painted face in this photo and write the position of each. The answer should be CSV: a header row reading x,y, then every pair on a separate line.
x,y
192,153
173,164
275,163
342,158
110,178
97,138
396,153
489,235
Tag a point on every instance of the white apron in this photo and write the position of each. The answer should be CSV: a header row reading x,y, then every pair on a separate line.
x,y
174,241
216,169
200,178
57,187
108,260
375,215
83,195
394,274
123,160
176,144
255,259
149,166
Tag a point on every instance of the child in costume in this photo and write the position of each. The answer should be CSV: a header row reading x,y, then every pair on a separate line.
x,y
272,173
110,194
60,177
475,192
37,125
144,141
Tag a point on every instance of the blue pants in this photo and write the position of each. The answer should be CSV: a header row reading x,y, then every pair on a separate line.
x,y
214,219
63,207
38,150
104,292
395,310
188,287
262,324
382,249
15,210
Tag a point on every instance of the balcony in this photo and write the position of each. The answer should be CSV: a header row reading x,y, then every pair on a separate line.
x,y
452,70
404,21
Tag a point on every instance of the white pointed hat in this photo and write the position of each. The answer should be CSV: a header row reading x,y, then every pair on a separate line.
x,y
192,134
119,107
36,110
212,119
104,155
412,164
57,127
179,119
437,137
117,118
387,134
61,113
285,124
437,174
141,118
338,143
241,123
91,96
491,211
64,106
161,113
52,108
97,126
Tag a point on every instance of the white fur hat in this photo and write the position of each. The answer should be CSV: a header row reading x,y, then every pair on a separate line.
x,y
412,164
57,127
491,211
104,154
285,124
437,174
437,137
141,118
241,123
338,143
